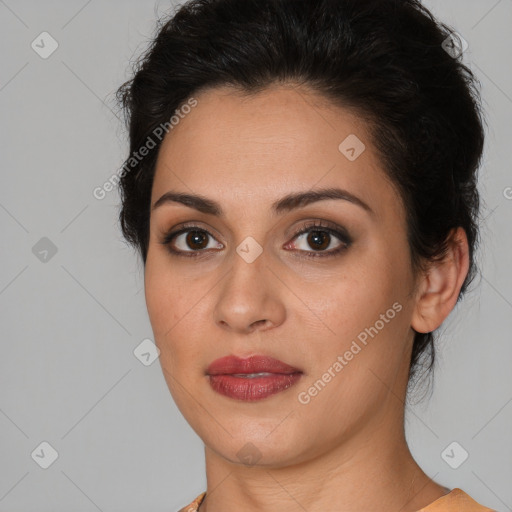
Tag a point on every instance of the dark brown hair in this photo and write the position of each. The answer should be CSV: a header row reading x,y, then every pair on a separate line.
x,y
386,59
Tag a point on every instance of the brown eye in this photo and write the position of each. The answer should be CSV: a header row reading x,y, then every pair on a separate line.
x,y
196,239
190,241
318,240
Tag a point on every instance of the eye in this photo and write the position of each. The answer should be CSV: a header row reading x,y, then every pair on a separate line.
x,y
190,241
321,237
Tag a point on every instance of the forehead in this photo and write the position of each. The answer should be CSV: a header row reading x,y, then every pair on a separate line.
x,y
259,147
280,118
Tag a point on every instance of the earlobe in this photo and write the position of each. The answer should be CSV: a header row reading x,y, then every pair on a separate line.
x,y
440,286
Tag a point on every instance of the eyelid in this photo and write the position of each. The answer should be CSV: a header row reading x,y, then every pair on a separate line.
x,y
323,225
187,226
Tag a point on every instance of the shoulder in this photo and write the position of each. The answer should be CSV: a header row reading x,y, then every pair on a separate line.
x,y
192,507
457,501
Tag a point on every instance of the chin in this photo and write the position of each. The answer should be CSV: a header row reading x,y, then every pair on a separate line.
x,y
270,443
259,452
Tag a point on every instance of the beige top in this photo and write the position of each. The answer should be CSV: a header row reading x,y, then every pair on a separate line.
x,y
455,501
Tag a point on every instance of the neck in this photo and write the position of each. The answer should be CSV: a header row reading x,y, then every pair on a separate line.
x,y
372,471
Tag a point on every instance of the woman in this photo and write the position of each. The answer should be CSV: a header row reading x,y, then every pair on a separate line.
x,y
302,189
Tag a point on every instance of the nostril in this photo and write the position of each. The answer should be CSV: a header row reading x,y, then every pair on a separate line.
x,y
254,324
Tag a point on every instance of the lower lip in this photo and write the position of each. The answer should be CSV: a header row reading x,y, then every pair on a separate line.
x,y
251,389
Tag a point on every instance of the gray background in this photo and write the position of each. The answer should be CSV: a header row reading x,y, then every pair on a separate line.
x,y
69,325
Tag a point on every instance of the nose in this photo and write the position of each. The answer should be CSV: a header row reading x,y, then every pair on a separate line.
x,y
250,297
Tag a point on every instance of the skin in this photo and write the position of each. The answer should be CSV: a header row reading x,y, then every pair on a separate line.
x,y
345,450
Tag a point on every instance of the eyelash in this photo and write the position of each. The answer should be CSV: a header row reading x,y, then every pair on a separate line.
x,y
322,226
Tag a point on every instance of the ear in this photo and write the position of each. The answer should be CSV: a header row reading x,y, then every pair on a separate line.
x,y
439,288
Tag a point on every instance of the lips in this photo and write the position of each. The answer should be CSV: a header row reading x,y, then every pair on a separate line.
x,y
251,379
233,365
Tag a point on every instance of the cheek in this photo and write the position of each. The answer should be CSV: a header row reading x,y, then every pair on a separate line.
x,y
165,305
166,296
350,300
363,313
173,306
159,300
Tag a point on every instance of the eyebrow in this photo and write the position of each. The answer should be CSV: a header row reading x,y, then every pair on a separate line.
x,y
286,204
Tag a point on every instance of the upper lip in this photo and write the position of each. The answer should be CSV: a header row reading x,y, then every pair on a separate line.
x,y
253,364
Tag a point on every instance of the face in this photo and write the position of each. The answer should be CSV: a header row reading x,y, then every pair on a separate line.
x,y
322,284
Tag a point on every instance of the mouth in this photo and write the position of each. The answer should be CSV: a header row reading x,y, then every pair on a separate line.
x,y
250,379
252,375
